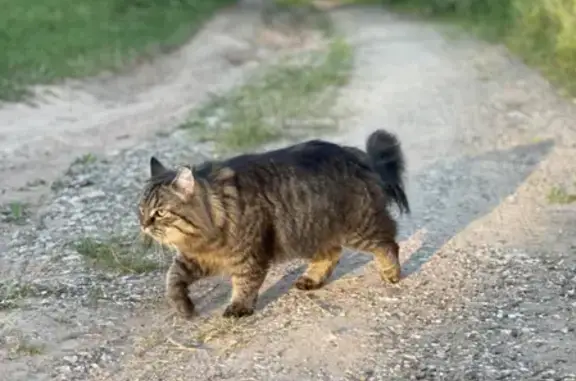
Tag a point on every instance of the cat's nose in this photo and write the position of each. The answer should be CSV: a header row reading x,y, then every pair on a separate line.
x,y
145,229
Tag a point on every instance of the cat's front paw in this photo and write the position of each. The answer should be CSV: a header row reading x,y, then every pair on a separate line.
x,y
392,274
305,283
236,310
184,307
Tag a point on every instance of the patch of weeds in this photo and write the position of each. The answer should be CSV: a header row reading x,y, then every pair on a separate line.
x,y
57,185
19,345
11,292
289,96
561,196
78,165
15,212
27,348
86,159
119,254
12,91
16,290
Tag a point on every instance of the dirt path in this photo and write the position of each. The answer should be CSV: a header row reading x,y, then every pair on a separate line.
x,y
491,292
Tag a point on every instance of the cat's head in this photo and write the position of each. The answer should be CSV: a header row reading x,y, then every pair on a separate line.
x,y
170,210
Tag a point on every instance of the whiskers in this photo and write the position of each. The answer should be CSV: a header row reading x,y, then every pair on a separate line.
x,y
143,244
143,240
162,252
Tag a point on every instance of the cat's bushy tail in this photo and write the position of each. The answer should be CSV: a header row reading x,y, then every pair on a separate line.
x,y
387,159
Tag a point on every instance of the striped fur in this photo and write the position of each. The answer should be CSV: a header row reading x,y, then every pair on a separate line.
x,y
239,216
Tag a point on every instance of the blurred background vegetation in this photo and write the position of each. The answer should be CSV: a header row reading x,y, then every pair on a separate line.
x,y
45,40
542,32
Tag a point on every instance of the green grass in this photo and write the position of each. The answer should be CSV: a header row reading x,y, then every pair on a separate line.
x,y
43,41
14,291
118,254
287,96
27,348
542,32
20,346
561,196
88,158
15,212
11,292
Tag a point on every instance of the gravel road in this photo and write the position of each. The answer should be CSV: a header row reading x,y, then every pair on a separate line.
x,y
491,263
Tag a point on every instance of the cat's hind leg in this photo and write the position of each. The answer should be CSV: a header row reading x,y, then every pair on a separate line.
x,y
320,268
378,236
385,251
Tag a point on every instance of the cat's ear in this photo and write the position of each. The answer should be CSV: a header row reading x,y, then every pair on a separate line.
x,y
156,167
185,181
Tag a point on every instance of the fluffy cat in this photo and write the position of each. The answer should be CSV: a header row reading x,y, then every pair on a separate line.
x,y
241,215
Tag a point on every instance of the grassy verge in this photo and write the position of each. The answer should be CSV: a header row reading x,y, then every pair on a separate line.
x,y
286,98
542,32
123,255
561,196
44,41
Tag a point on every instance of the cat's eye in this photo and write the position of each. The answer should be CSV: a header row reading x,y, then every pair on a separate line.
x,y
160,213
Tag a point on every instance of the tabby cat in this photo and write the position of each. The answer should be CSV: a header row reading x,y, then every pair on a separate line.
x,y
239,216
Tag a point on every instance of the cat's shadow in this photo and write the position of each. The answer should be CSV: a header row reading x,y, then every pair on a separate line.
x,y
445,197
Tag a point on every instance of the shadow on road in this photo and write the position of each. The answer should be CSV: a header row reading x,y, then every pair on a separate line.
x,y
450,194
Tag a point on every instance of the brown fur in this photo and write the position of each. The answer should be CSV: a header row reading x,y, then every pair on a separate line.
x,y
239,216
